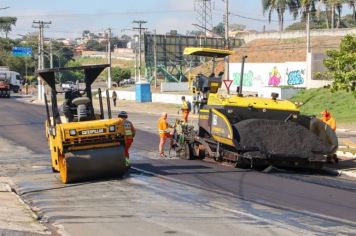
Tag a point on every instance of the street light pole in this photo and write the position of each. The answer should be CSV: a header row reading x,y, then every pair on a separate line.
x,y
155,57
109,58
308,31
50,54
227,38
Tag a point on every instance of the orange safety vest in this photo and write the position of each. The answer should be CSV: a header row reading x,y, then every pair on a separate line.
x,y
163,128
330,122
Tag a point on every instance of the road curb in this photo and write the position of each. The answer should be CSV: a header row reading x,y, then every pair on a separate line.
x,y
351,174
345,154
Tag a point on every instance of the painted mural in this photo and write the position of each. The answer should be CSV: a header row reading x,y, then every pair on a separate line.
x,y
260,75
295,77
274,77
248,78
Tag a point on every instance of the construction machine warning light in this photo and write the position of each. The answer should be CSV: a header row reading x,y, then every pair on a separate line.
x,y
112,128
72,132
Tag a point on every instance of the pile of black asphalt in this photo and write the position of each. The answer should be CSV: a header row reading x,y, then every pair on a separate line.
x,y
280,138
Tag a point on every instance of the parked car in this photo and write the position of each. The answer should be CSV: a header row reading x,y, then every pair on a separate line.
x,y
69,85
127,81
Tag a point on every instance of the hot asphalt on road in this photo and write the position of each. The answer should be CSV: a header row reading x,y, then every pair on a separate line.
x,y
175,196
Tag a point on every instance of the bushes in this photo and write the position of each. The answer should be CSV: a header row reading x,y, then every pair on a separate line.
x,y
118,74
72,75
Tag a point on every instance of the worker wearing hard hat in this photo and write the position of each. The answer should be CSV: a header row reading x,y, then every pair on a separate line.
x,y
130,133
328,119
164,132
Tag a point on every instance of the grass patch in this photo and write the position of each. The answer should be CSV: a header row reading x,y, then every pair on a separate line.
x,y
341,104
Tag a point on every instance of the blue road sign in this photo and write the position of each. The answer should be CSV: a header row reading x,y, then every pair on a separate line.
x,y
22,51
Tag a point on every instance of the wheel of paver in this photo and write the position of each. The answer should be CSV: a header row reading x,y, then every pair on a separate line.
x,y
8,94
185,153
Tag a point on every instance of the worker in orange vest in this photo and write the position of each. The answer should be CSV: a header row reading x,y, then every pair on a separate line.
x,y
164,132
328,119
185,109
130,133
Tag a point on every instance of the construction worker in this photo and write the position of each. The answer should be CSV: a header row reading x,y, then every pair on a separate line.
x,y
130,133
186,107
26,88
328,119
164,133
114,97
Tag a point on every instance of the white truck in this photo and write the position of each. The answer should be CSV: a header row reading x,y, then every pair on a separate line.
x,y
15,79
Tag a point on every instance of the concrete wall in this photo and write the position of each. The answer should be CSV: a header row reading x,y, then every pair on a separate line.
x,y
156,97
314,65
284,93
118,53
296,34
257,76
174,87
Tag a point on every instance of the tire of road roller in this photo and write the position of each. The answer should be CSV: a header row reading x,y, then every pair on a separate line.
x,y
92,164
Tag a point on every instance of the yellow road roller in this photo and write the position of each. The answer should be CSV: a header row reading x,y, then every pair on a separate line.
x,y
84,144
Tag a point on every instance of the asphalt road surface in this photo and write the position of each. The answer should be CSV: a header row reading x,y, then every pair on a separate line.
x,y
169,196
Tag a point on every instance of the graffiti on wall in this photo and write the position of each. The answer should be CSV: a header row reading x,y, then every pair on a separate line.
x,y
295,77
248,78
259,75
274,77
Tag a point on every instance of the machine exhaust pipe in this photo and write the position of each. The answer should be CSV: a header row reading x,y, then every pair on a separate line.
x,y
242,75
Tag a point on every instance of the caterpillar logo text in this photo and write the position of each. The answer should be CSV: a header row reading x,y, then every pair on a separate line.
x,y
92,131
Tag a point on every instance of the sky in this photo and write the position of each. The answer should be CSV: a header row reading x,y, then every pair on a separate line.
x,y
70,17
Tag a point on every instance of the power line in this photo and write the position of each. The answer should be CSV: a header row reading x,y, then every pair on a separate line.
x,y
109,13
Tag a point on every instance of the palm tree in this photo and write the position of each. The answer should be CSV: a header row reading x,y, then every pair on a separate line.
x,y
335,5
338,7
6,24
280,7
352,4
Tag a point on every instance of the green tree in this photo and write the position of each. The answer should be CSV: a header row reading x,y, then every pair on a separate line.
x,y
72,75
118,74
95,45
219,29
6,24
341,65
280,6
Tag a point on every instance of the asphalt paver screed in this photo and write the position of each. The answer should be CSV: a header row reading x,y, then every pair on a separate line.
x,y
280,138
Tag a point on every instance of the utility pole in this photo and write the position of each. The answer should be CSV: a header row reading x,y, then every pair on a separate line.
x,y
155,56
227,44
140,29
40,25
50,54
308,31
135,40
109,57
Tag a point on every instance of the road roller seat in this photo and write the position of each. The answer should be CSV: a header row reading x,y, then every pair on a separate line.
x,y
82,111
81,101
